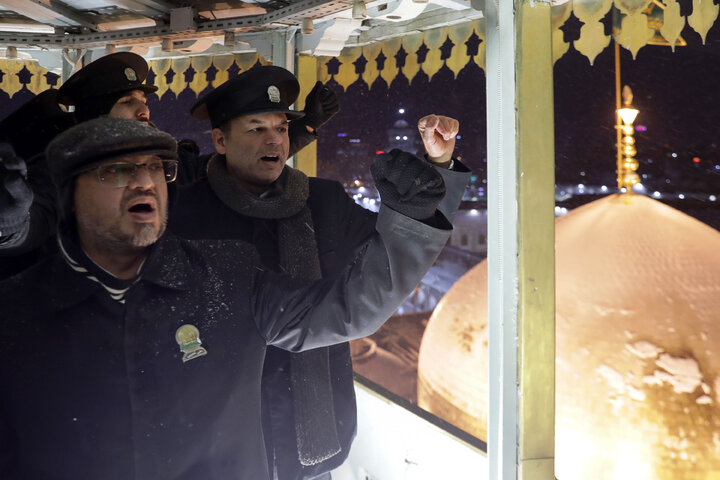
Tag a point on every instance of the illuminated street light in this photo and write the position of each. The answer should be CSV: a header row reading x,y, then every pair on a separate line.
x,y
627,165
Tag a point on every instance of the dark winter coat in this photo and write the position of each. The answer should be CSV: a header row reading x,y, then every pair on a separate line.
x,y
94,389
341,228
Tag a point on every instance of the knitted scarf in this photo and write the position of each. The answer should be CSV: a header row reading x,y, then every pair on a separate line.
x,y
286,202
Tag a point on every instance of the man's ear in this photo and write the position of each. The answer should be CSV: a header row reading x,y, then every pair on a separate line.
x,y
218,138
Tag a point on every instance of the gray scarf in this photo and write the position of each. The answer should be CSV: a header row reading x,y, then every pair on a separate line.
x,y
286,202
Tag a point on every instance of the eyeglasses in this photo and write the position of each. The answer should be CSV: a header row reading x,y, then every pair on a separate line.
x,y
120,174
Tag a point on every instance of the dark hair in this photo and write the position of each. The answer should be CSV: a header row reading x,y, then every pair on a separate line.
x,y
94,107
225,127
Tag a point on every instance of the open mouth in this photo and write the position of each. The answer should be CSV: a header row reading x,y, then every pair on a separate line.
x,y
143,211
141,208
270,158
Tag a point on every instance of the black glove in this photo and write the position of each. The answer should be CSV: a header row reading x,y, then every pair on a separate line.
x,y
15,194
407,184
321,104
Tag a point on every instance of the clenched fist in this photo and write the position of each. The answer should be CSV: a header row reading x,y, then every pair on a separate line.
x,y
438,135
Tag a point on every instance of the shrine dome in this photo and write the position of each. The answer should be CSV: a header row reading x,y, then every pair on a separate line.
x,y
637,345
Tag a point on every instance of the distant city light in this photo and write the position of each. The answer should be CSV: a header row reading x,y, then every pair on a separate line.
x,y
674,155
404,137
640,128
696,159
582,174
354,140
474,212
379,152
712,198
650,160
397,137
623,189
361,189
639,188
458,137
656,194
401,110
681,196
342,134
717,167
580,186
603,188
560,211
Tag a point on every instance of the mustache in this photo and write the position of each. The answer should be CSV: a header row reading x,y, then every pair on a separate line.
x,y
135,194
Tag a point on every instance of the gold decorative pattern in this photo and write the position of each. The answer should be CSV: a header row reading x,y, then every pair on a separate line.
x,y
11,79
453,42
634,32
704,14
592,39
639,23
560,15
200,65
673,23
631,7
433,40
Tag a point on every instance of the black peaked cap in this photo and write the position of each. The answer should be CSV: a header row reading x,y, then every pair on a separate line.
x,y
31,127
261,89
111,74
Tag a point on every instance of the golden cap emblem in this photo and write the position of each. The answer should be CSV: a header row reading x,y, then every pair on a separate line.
x,y
130,74
273,94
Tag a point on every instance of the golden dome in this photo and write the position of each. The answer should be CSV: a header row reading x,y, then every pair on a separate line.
x,y
637,345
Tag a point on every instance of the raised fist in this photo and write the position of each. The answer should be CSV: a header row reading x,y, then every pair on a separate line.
x,y
321,104
438,135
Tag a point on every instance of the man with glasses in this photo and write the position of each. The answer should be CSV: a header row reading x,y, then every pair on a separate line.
x,y
133,354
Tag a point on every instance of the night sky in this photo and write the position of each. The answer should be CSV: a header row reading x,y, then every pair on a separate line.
x,y
678,95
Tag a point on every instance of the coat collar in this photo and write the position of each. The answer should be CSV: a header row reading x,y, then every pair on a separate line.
x,y
167,266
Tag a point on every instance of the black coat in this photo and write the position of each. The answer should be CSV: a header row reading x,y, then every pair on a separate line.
x,y
341,228
94,389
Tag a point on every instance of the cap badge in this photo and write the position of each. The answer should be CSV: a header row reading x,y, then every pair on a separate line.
x,y
274,94
188,337
130,74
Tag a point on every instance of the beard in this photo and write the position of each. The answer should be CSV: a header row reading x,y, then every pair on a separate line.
x,y
111,238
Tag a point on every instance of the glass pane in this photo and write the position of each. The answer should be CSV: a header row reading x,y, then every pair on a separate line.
x,y
382,115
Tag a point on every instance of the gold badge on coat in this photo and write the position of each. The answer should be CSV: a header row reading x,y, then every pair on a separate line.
x,y
130,74
188,337
274,94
